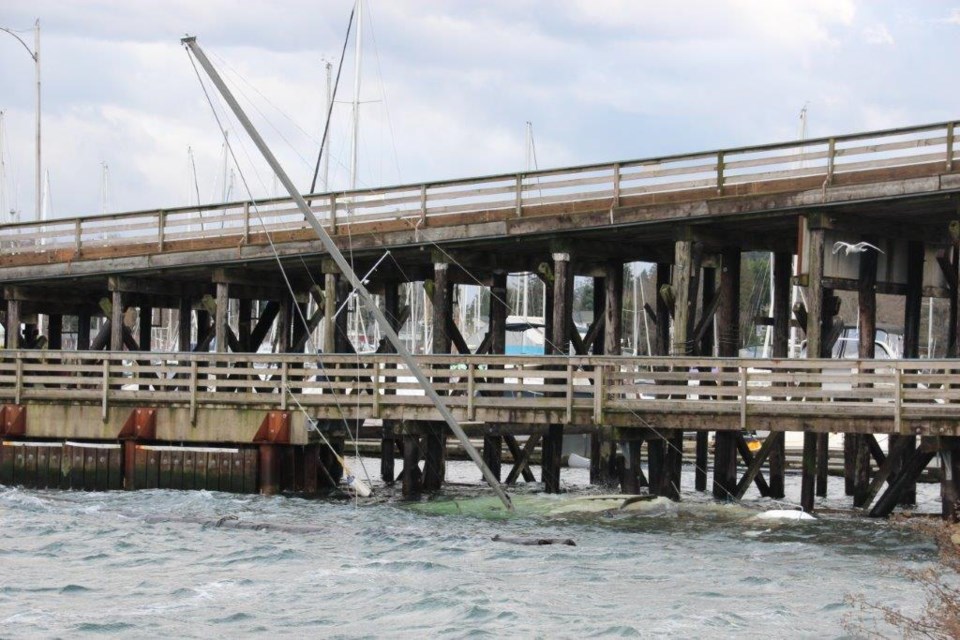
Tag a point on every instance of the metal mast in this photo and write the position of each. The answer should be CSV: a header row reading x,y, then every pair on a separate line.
x,y
326,156
36,60
3,175
356,97
365,297
104,186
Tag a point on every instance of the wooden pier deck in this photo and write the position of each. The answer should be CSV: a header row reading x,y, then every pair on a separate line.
x,y
205,398
275,421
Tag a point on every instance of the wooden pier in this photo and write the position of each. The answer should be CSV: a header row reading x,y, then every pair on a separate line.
x,y
112,412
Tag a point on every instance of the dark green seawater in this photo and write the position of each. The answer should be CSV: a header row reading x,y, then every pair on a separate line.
x,y
84,564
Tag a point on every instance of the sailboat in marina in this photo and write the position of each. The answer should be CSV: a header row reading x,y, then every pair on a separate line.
x,y
356,281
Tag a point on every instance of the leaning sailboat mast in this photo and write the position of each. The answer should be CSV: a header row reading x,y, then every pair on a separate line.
x,y
365,297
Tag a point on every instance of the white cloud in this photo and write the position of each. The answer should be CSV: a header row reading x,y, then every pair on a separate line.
x,y
600,80
877,34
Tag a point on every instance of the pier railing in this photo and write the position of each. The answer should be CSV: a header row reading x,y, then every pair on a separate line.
x,y
758,169
581,390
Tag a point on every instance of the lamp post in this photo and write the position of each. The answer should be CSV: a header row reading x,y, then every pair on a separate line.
x,y
35,54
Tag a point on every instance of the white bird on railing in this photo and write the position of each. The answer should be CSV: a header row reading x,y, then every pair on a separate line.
x,y
849,248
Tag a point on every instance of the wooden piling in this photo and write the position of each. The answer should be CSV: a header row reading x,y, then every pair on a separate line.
x,y
914,463
669,485
809,470
782,270
13,325
563,279
311,472
329,309
613,309
949,449
442,309
856,454
497,327
412,479
244,323
551,450
911,340
269,481
630,471
221,323
823,460
83,330
705,348
816,319
686,276
656,453
391,308
493,454
435,454
604,450
662,342
388,447
434,458
116,321
285,323
183,325
728,322
146,328
55,331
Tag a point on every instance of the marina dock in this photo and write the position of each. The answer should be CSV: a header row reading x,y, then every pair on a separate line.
x,y
217,412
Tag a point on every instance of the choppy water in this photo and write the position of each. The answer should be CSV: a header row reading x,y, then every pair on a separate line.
x,y
96,564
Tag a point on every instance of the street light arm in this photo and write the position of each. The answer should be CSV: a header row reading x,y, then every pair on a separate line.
x,y
32,53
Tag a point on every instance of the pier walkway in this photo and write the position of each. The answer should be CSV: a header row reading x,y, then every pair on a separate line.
x,y
102,285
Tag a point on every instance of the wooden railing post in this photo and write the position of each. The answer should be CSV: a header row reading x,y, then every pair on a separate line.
x,y
423,205
105,390
831,157
333,214
161,223
375,379
78,236
569,394
193,391
284,373
471,391
743,398
898,398
599,393
18,393
949,166
246,223
720,173
519,203
616,185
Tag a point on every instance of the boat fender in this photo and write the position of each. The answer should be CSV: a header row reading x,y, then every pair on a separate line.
x,y
359,486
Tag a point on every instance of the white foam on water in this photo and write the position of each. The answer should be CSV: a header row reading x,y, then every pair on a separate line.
x,y
783,514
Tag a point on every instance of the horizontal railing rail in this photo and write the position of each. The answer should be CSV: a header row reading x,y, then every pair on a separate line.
x,y
581,389
416,205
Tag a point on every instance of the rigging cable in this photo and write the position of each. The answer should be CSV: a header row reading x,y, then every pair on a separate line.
x,y
276,254
453,260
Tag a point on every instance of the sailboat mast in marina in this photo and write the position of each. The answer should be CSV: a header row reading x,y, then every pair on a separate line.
x,y
338,258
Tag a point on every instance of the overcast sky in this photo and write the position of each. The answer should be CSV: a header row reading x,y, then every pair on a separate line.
x,y
448,85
